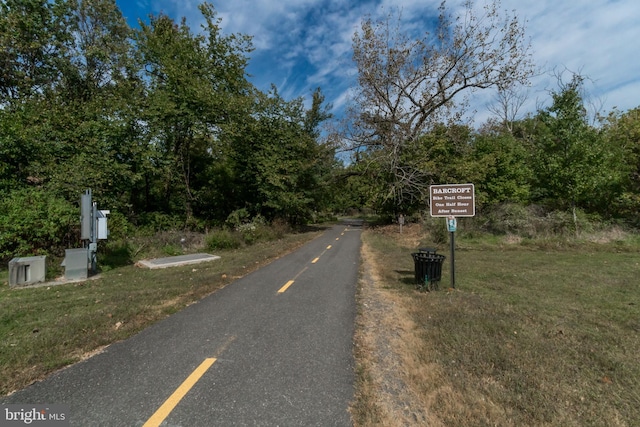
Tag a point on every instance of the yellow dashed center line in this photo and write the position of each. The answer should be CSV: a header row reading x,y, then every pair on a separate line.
x,y
166,408
290,282
286,286
315,260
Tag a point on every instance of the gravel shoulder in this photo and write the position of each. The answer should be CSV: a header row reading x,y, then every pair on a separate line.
x,y
384,335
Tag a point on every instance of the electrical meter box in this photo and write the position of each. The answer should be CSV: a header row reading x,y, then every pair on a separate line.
x,y
103,231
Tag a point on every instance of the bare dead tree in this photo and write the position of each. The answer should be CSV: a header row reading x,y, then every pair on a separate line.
x,y
407,85
506,106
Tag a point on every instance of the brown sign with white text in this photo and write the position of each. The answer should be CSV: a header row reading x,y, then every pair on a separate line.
x,y
452,200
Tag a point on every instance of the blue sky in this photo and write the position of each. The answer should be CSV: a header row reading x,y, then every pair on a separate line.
x,y
304,44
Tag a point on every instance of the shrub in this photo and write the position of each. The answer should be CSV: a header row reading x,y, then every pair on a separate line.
x,y
223,239
264,233
437,229
114,253
511,218
280,228
119,227
172,250
535,221
237,218
247,232
152,222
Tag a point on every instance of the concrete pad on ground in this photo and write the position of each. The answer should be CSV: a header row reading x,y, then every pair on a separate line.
x,y
175,261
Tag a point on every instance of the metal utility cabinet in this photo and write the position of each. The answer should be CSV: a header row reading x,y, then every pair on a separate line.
x,y
79,262
27,270
76,264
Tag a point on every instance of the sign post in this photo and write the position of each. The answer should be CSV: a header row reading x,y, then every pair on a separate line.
x,y
451,201
452,224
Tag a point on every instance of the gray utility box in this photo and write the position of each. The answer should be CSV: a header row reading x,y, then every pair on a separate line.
x,y
27,270
76,263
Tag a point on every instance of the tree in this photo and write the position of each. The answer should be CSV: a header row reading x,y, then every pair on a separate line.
x,y
197,88
622,131
573,165
79,128
33,37
278,166
317,114
33,42
507,104
34,221
64,125
407,86
504,173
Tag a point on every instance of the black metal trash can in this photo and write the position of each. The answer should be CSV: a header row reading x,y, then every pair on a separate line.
x,y
430,251
428,270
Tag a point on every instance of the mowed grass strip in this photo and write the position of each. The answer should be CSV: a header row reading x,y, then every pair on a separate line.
x,y
528,337
43,329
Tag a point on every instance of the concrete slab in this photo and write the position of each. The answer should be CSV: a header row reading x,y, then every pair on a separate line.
x,y
175,261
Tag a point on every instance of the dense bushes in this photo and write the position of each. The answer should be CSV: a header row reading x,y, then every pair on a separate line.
x,y
35,222
532,222
223,239
240,230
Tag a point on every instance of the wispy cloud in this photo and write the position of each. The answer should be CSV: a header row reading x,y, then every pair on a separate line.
x,y
596,38
303,44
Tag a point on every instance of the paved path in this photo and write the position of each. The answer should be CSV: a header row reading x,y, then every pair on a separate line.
x,y
271,349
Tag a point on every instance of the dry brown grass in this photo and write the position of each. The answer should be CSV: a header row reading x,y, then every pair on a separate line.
x,y
614,234
386,338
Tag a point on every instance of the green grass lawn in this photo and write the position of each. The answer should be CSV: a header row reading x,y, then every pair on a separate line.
x,y
530,335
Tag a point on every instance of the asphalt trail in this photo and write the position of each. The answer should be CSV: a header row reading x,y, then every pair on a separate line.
x,y
271,349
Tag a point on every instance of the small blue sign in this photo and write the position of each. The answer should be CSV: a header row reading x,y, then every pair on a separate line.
x,y
452,224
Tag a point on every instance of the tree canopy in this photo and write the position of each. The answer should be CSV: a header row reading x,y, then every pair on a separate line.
x,y
407,86
159,121
163,124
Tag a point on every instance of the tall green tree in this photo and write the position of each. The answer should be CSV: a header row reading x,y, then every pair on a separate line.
x,y
280,169
622,131
196,87
33,37
574,167
92,146
70,129
502,165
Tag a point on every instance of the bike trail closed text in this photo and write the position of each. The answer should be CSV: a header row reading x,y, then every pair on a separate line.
x,y
456,200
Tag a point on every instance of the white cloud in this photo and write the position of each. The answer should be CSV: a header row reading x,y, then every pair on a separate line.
x,y
302,44
597,39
